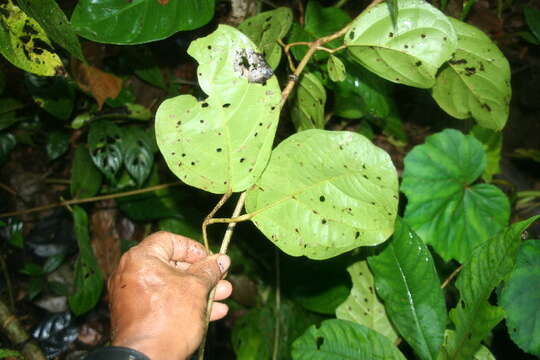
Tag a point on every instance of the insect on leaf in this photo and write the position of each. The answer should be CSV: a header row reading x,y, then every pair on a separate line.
x,y
223,142
324,193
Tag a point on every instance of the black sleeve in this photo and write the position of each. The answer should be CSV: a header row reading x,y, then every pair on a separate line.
x,y
116,353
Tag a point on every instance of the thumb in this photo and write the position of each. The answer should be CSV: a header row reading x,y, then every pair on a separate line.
x,y
211,269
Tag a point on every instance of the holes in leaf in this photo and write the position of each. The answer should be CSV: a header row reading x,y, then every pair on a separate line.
x,y
319,342
356,234
201,121
204,105
423,36
192,163
391,34
183,155
418,63
242,160
351,35
218,149
322,198
323,221
226,105
260,124
365,177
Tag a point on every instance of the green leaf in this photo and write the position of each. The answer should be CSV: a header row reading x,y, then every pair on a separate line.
x,y
393,8
307,111
106,145
181,227
5,353
265,29
140,21
85,177
528,37
413,300
53,262
476,81
7,143
139,156
449,335
467,7
336,69
489,264
253,334
88,278
31,269
324,193
409,53
339,339
223,142
492,144
363,306
57,144
53,20
55,94
520,299
444,208
25,44
532,17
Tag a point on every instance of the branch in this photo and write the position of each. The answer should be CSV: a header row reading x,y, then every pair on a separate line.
x,y
90,199
452,275
207,219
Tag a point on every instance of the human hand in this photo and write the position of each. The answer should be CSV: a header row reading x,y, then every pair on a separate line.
x,y
158,296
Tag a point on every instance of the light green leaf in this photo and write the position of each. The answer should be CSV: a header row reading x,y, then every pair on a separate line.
x,y
409,53
85,177
5,353
223,142
139,21
489,264
53,20
324,193
521,299
106,145
24,43
449,335
138,157
492,144
57,144
363,306
340,339
476,81
407,282
53,94
88,277
307,110
336,69
444,208
265,29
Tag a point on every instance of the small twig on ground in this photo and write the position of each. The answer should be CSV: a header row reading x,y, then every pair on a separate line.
x,y
452,275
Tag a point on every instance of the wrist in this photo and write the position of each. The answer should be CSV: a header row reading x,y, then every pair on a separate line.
x,y
154,348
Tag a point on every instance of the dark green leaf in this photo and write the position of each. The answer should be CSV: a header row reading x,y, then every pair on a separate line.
x,y
8,105
340,340
265,29
35,287
492,143
488,265
57,144
413,300
24,42
529,37
6,353
444,208
53,20
181,227
53,262
88,278
307,110
106,144
31,269
449,335
532,16
7,143
139,156
140,21
54,94
85,177
521,299
467,7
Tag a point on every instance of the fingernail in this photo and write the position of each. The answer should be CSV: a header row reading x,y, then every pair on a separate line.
x,y
224,262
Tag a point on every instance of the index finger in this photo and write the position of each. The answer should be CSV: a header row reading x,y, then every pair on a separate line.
x,y
171,247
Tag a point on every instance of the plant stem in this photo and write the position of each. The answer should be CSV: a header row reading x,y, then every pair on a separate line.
x,y
223,250
90,199
231,220
207,219
452,275
7,279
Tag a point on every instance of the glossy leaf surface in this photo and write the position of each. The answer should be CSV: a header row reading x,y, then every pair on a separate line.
x,y
476,81
85,177
409,53
53,20
324,193
307,111
140,21
521,299
24,42
57,144
438,180
106,145
265,29
224,141
363,306
88,277
408,284
490,263
340,339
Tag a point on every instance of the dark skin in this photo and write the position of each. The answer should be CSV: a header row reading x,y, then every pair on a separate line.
x,y
159,292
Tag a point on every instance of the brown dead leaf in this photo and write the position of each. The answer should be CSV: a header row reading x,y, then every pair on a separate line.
x,y
105,238
99,84
163,2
